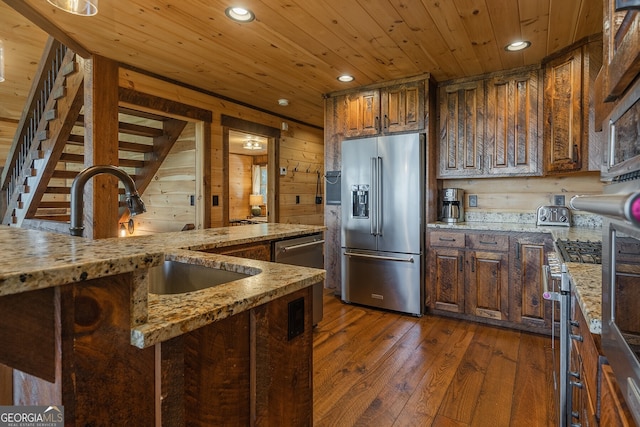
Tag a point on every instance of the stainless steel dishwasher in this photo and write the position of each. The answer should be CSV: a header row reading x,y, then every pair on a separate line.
x,y
307,251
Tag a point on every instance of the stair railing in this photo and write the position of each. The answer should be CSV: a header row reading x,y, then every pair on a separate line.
x,y
26,138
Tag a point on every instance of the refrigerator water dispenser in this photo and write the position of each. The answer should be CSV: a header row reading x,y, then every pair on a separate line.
x,y
360,200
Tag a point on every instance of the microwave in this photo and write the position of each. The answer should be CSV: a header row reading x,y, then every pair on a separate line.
x,y
622,156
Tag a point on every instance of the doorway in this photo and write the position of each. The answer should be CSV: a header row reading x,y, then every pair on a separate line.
x,y
248,186
250,161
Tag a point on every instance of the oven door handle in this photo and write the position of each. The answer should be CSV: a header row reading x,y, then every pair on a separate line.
x,y
546,294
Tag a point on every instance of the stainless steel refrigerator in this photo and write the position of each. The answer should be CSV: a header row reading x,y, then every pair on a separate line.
x,y
382,222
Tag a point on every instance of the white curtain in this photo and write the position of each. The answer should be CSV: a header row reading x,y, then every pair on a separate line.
x,y
255,179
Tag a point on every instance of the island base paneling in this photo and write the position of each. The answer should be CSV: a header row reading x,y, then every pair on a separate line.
x,y
239,370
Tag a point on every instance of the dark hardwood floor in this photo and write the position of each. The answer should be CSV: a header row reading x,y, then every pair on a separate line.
x,y
376,368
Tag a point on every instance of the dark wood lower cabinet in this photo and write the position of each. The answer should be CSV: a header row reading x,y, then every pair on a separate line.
x,y
528,308
71,346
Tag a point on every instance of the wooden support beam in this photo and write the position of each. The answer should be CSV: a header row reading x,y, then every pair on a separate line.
x,y
101,147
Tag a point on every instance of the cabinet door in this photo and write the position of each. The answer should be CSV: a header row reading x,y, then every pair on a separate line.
x,y
511,132
621,41
525,300
403,107
461,130
362,112
446,272
487,284
563,113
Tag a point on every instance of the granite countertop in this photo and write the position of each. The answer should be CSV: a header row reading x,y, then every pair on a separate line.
x,y
37,260
585,278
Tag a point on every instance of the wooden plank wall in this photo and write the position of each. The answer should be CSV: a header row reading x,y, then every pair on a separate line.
x,y
298,135
168,196
303,156
524,194
239,186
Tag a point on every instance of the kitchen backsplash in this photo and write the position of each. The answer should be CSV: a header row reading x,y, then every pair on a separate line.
x,y
578,219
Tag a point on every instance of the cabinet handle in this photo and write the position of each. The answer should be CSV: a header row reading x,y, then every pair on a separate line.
x,y
473,264
446,239
377,123
488,243
460,264
386,121
576,337
518,251
576,155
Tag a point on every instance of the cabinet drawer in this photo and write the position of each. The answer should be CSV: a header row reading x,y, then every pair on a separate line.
x,y
487,242
446,239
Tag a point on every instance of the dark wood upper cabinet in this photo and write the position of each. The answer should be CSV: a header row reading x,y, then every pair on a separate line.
x,y
621,49
398,106
461,129
563,113
513,110
489,126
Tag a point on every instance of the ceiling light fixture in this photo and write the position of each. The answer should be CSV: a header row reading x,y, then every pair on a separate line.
x,y
516,46
345,78
239,14
77,7
255,145
1,61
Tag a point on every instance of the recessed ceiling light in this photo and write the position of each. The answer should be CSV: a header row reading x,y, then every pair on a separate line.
x,y
239,14
516,46
345,78
283,102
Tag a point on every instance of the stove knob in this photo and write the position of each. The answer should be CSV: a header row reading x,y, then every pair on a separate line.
x,y
543,218
563,218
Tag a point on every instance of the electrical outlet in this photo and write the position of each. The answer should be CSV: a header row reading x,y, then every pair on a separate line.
x,y
473,201
295,318
558,200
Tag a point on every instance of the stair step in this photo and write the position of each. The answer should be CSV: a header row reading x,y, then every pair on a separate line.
x,y
63,217
70,68
58,190
67,190
59,93
64,174
50,114
75,140
42,135
135,147
72,158
130,128
54,205
129,163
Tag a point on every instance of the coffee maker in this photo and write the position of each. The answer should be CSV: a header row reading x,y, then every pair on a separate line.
x,y
452,205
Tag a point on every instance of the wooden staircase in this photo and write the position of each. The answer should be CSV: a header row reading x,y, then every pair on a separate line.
x,y
48,149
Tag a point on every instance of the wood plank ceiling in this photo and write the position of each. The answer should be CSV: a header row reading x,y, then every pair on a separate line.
x,y
294,49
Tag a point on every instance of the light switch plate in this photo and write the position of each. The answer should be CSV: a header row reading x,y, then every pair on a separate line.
x,y
473,201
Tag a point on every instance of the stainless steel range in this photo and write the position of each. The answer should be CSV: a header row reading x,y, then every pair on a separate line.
x,y
582,251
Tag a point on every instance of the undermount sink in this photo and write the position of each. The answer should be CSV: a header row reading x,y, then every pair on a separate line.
x,y
174,277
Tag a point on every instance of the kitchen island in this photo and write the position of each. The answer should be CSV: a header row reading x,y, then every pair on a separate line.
x,y
81,329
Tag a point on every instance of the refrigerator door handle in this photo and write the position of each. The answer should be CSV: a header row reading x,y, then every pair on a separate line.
x,y
379,206
373,229
385,258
